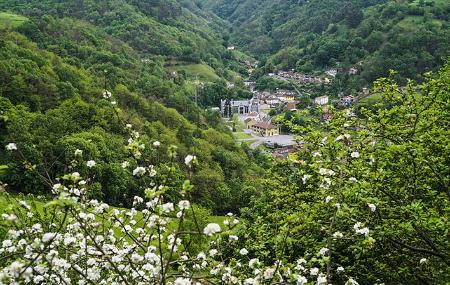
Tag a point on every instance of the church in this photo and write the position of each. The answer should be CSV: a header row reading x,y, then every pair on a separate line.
x,y
229,107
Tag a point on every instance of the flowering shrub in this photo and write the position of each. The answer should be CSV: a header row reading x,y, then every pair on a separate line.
x,y
89,242
365,198
86,241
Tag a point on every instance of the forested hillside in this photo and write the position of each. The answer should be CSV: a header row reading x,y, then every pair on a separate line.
x,y
55,66
157,27
117,167
309,36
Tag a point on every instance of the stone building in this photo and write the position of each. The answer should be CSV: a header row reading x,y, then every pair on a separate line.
x,y
242,107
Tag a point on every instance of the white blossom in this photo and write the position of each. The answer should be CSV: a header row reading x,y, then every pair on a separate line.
x,y
184,204
423,260
139,171
78,152
48,237
233,238
254,262
189,159
372,207
90,163
323,251
182,281
301,280
328,199
268,273
321,279
213,252
125,164
351,281
314,271
106,94
167,207
354,154
156,144
11,146
211,229
361,231
243,251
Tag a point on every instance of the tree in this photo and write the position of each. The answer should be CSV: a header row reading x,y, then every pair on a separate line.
x,y
373,191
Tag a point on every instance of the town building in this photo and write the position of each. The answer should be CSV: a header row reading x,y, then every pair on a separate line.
x,y
332,72
284,152
250,122
353,71
229,107
292,105
347,100
266,129
322,100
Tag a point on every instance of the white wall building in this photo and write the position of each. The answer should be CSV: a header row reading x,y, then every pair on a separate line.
x,y
322,100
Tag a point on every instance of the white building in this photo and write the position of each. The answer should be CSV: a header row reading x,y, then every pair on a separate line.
x,y
322,100
332,72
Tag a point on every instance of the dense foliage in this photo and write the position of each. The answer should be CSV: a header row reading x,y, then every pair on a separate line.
x,y
385,177
103,115
53,73
408,36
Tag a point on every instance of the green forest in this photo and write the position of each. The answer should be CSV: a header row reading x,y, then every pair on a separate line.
x,y
118,167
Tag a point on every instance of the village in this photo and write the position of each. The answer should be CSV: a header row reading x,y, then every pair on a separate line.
x,y
257,127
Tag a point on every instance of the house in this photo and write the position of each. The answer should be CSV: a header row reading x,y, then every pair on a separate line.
x,y
353,71
366,91
322,100
230,85
347,100
332,72
292,105
265,129
250,122
284,152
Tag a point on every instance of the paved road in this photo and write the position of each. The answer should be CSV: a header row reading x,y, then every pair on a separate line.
x,y
280,140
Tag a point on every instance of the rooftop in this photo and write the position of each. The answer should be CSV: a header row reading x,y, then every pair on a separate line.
x,y
266,126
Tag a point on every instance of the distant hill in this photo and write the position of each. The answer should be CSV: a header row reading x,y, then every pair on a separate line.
x,y
160,27
411,37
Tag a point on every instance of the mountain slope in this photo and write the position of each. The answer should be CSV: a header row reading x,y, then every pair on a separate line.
x,y
53,72
314,35
151,27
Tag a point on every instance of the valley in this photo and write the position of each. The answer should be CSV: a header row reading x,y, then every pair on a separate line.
x,y
179,142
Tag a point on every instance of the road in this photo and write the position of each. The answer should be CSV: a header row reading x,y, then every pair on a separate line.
x,y
280,140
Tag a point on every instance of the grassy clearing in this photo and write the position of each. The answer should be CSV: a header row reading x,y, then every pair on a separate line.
x,y
242,136
249,142
8,20
370,100
202,71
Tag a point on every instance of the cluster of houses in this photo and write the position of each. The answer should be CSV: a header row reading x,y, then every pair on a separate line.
x,y
274,99
299,77
261,124
353,70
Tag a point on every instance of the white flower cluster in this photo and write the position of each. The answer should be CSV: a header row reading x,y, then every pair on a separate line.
x,y
93,243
